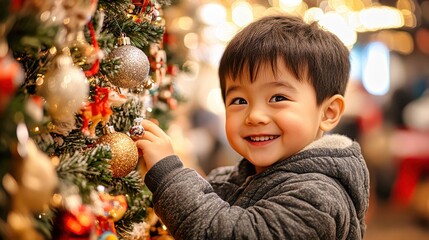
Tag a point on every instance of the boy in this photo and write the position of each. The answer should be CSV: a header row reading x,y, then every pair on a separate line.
x,y
283,83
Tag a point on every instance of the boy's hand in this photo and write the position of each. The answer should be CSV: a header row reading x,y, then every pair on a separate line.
x,y
155,144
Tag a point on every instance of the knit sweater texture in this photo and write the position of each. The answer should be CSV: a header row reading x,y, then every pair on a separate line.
x,y
322,192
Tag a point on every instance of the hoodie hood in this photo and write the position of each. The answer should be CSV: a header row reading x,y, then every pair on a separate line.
x,y
340,158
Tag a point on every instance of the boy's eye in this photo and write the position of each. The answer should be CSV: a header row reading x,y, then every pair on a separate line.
x,y
238,101
278,98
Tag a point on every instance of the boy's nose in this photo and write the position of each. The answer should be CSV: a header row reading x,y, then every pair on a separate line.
x,y
257,116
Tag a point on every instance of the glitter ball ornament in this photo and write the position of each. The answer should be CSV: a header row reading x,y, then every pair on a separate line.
x,y
134,67
124,152
64,88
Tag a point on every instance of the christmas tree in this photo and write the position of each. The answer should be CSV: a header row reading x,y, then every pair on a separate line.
x,y
75,79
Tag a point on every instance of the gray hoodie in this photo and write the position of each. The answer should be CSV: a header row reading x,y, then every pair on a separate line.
x,y
321,192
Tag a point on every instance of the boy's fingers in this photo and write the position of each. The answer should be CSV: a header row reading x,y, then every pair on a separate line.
x,y
154,120
141,145
149,135
150,126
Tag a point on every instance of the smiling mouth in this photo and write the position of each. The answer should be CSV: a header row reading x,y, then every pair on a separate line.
x,y
261,138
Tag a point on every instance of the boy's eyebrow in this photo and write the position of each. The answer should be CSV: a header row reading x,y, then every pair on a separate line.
x,y
231,89
282,84
270,84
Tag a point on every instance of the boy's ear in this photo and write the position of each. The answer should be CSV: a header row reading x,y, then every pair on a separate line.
x,y
333,109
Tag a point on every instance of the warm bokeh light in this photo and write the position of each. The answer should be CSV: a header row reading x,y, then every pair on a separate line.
x,y
290,3
313,14
336,24
292,6
381,17
242,13
185,23
214,101
403,43
398,41
376,69
212,13
191,40
208,34
258,10
226,31
409,19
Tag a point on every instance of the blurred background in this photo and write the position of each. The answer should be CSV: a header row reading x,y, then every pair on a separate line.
x,y
387,99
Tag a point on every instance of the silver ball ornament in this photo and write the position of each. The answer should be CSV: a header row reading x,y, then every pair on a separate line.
x,y
134,67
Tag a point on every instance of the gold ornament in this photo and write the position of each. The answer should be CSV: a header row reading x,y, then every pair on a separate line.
x,y
124,152
135,65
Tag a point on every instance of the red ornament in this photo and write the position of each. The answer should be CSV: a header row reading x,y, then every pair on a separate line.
x,y
76,224
16,5
79,223
11,76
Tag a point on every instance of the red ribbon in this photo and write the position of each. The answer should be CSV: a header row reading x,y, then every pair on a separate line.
x,y
96,66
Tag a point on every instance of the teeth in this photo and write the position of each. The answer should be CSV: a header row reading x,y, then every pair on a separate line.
x,y
262,138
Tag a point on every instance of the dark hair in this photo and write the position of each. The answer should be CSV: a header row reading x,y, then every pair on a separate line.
x,y
307,50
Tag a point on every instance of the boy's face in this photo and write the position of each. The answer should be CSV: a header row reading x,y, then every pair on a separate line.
x,y
272,118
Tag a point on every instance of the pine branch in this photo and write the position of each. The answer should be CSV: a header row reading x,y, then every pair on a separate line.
x,y
29,34
141,35
45,142
117,6
86,170
110,67
98,163
72,167
74,141
136,213
106,40
123,117
117,21
125,225
131,183
29,40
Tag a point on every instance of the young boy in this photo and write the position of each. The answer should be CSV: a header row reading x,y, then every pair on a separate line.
x,y
283,83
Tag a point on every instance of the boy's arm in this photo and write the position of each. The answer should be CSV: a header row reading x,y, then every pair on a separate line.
x,y
190,209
